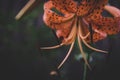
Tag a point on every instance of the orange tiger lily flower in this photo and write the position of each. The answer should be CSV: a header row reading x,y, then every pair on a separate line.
x,y
75,22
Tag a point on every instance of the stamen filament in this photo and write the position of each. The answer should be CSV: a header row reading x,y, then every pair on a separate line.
x,y
80,35
82,52
66,57
53,47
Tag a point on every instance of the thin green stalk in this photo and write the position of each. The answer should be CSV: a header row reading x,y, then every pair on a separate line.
x,y
85,69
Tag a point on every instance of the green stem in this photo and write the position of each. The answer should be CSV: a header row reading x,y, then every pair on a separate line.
x,y
85,69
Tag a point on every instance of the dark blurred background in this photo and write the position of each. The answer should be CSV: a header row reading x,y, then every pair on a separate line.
x,y
22,59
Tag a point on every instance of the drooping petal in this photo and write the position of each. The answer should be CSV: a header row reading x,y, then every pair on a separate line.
x,y
97,9
112,10
106,25
70,5
52,16
84,7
